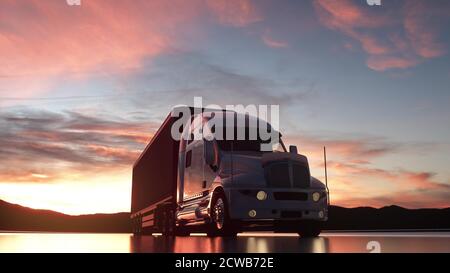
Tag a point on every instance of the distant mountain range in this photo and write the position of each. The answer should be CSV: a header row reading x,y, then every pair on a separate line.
x,y
387,218
17,218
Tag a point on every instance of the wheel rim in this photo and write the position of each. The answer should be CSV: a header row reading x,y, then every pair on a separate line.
x,y
219,213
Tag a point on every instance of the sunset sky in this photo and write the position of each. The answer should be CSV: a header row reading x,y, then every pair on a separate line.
x,y
83,89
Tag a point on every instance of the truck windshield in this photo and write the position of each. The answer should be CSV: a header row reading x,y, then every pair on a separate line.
x,y
249,145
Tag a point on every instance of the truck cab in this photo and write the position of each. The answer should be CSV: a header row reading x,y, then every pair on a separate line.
x,y
229,185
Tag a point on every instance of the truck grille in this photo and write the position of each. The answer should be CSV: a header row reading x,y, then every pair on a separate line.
x,y
300,196
287,174
301,176
278,176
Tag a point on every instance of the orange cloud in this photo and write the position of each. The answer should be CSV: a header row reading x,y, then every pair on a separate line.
x,y
354,181
30,175
67,162
359,150
385,51
33,142
361,185
119,154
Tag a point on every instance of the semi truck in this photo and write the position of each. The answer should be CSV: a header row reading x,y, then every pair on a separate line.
x,y
222,186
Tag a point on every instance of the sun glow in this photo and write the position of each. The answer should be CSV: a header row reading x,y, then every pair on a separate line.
x,y
99,195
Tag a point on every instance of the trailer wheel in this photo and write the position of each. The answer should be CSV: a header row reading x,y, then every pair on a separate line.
x,y
182,231
168,222
221,224
135,225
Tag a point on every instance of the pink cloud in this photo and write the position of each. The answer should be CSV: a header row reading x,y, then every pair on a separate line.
x,y
372,45
386,49
237,13
41,41
344,15
422,35
49,39
383,63
52,38
271,42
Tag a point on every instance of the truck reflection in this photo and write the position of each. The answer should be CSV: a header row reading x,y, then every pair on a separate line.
x,y
261,243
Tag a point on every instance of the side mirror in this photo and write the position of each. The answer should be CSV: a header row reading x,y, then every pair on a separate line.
x,y
211,154
293,149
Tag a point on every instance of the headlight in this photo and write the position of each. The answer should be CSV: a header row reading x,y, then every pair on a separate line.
x,y
321,214
261,195
316,196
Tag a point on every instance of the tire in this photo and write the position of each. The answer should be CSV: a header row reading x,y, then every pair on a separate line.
x,y
221,224
136,225
310,230
182,231
168,222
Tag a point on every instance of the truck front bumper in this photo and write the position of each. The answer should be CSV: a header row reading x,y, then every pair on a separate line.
x,y
280,205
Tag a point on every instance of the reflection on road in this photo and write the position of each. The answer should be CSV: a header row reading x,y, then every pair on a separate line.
x,y
246,243
249,244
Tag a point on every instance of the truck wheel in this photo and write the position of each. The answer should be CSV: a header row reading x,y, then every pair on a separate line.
x,y
182,231
136,225
133,226
310,230
139,226
220,220
168,222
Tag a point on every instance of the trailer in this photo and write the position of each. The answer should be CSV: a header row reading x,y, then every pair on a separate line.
x,y
154,178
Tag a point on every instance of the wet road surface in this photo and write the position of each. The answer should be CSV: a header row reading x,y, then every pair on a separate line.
x,y
328,242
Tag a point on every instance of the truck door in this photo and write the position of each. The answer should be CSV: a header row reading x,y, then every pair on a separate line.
x,y
194,175
209,172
